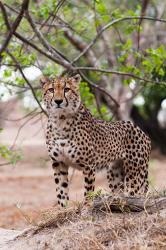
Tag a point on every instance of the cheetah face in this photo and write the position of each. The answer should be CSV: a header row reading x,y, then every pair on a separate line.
x,y
61,95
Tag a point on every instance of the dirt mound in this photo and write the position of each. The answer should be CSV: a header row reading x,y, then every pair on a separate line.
x,y
84,227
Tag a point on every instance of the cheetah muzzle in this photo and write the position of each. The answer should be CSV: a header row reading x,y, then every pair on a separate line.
x,y
76,139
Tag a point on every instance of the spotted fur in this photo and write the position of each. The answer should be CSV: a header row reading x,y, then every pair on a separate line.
x,y
76,139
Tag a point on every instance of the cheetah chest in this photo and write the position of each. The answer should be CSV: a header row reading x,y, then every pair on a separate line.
x,y
62,151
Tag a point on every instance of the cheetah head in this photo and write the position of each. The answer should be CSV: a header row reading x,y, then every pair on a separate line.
x,y
61,95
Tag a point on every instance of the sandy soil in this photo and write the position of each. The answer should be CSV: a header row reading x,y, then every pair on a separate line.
x,y
28,187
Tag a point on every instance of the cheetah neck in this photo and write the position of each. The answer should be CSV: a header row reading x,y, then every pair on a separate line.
x,y
64,121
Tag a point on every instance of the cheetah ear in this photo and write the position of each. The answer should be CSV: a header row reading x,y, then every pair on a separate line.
x,y
77,78
43,81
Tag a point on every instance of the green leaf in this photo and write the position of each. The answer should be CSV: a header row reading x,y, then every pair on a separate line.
x,y
7,73
116,14
161,72
129,29
12,156
128,44
101,8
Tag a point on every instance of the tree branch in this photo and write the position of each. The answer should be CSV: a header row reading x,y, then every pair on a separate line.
x,y
13,27
90,45
129,204
81,45
52,58
4,15
107,71
60,57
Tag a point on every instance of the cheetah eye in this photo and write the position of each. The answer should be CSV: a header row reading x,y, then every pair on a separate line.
x,y
51,90
66,90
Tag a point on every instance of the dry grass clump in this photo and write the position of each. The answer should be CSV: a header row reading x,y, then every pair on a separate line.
x,y
55,217
81,227
113,231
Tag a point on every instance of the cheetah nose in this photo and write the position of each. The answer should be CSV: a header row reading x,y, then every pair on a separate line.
x,y
58,102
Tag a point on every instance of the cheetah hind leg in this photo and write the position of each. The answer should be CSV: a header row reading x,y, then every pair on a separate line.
x,y
136,179
115,177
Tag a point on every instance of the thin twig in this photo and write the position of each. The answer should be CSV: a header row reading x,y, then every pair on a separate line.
x,y
21,118
99,88
20,128
27,81
15,85
57,8
5,164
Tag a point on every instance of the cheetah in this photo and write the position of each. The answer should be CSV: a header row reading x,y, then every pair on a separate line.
x,y
75,138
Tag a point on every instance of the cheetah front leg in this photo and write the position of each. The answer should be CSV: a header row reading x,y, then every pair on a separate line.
x,y
61,181
89,180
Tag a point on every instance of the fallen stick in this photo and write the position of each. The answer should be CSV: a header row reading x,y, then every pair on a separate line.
x,y
128,204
